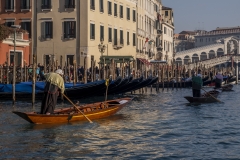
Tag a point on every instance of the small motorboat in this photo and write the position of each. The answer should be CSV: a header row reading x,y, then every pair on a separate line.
x,y
208,97
92,111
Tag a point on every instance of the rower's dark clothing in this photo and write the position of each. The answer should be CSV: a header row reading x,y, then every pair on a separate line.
x,y
49,100
196,86
196,92
218,83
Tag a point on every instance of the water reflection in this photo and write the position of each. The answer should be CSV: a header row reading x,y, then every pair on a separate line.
x,y
153,126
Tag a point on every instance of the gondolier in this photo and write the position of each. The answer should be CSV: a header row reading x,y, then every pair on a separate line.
x,y
197,84
218,80
54,85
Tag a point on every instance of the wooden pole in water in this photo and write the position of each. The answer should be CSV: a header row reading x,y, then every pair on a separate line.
x,y
33,80
237,70
14,69
163,71
74,72
7,75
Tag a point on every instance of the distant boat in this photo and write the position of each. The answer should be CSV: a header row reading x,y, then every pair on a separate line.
x,y
205,98
92,111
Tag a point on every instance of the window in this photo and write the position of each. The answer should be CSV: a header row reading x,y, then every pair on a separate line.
x,y
101,33
69,3
48,29
92,31
134,16
92,4
115,37
9,23
69,29
26,26
70,59
134,39
128,43
121,11
109,8
121,36
25,4
115,9
46,4
9,5
101,6
109,34
166,13
128,13
165,30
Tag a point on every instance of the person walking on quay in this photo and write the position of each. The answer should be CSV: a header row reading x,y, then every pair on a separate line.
x,y
197,84
54,85
218,80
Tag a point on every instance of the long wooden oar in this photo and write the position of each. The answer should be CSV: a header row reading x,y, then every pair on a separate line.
x,y
212,96
107,84
77,108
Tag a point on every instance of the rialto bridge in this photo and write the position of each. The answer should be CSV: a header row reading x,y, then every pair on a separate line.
x,y
226,46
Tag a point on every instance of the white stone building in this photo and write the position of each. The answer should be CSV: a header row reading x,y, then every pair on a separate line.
x,y
167,35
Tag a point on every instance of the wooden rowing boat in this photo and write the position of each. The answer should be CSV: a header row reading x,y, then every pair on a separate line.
x,y
205,98
227,87
92,111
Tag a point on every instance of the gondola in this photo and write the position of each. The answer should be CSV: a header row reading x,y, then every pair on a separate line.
x,y
123,83
153,81
205,98
92,111
225,88
141,84
131,84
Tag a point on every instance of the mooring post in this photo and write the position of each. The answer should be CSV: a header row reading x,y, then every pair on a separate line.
x,y
33,80
237,70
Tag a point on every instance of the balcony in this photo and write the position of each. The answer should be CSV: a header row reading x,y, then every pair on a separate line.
x,y
159,32
19,36
159,48
118,44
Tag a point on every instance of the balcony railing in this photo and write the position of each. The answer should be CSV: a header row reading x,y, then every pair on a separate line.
x,y
18,36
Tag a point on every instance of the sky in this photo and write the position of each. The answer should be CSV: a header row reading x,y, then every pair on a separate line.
x,y
190,15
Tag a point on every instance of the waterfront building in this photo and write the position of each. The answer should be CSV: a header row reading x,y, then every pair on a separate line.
x,y
203,38
167,36
72,30
149,29
16,12
184,40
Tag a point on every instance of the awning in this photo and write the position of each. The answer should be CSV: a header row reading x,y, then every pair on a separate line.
x,y
144,61
117,59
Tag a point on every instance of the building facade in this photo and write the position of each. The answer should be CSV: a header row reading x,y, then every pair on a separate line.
x,y
17,12
204,38
184,40
167,36
149,28
72,30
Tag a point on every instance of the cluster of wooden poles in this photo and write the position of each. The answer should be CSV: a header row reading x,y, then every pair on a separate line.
x,y
165,72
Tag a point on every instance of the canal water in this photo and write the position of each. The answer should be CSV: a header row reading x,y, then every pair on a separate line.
x,y
153,126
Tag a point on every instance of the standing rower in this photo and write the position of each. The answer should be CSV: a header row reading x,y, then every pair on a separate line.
x,y
54,85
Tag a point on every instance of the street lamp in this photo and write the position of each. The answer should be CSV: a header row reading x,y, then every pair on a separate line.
x,y
101,47
15,27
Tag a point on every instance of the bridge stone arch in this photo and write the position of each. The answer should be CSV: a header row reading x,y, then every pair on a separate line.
x,y
211,54
220,52
186,59
203,56
179,61
195,57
